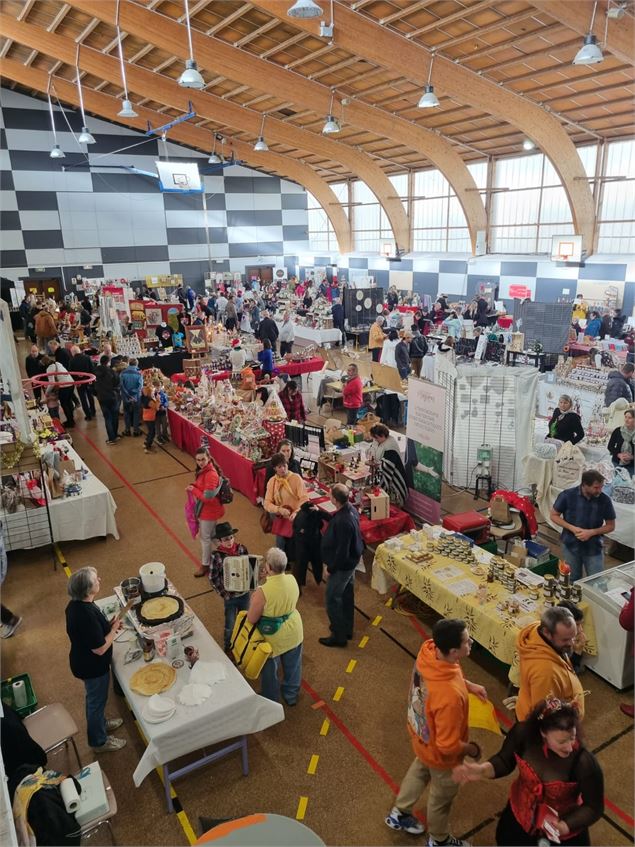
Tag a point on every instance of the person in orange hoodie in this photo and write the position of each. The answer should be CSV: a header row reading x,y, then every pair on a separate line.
x,y
544,648
437,723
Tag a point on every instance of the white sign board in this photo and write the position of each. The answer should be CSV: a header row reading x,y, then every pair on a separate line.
x,y
426,413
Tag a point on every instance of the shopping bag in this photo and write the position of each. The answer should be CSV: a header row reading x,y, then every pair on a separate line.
x,y
499,511
282,527
623,490
481,715
568,466
249,648
191,514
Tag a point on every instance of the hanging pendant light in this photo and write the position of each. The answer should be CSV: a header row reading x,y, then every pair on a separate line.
x,y
84,137
214,158
56,150
190,78
332,124
590,52
429,99
304,9
528,144
126,106
261,145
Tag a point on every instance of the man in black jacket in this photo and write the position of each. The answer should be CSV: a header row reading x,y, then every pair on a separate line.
x,y
337,310
268,329
107,391
81,363
342,547
34,367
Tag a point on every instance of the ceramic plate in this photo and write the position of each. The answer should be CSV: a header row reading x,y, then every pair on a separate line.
x,y
358,308
360,295
368,303
156,718
379,308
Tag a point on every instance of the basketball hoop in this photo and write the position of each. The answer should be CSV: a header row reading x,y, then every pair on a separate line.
x,y
44,380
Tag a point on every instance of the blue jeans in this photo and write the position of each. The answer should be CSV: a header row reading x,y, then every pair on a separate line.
x,y
110,411
579,561
291,662
233,605
131,414
96,699
340,600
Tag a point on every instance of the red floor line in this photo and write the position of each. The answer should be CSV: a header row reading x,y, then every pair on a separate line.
x,y
141,499
332,716
390,782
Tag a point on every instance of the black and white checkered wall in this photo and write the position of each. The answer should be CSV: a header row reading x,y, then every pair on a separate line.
x,y
121,223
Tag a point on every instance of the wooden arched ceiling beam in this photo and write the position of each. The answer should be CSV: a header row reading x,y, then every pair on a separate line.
x,y
241,66
365,38
620,39
167,91
104,106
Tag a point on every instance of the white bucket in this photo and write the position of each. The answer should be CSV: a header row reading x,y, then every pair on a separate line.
x,y
152,577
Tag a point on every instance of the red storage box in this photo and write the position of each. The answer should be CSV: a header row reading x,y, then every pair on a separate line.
x,y
473,524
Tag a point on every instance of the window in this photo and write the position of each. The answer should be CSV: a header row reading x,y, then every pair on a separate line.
x,y
321,233
438,222
617,211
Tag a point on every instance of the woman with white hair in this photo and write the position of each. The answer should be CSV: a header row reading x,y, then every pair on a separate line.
x,y
376,338
91,637
273,609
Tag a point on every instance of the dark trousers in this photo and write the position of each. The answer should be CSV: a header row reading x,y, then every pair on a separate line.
x,y
233,605
66,402
509,833
376,354
110,411
131,414
416,366
351,416
162,426
307,552
151,428
286,347
340,603
87,400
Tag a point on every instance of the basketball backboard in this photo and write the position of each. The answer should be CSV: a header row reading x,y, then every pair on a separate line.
x,y
566,248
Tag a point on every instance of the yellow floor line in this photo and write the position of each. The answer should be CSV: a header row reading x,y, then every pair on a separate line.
x,y
338,694
377,621
325,727
351,666
302,804
62,560
388,603
363,642
313,764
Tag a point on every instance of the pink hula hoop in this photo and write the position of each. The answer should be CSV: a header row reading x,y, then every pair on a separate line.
x,y
44,380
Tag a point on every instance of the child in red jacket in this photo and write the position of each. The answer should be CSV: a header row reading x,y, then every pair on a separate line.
x,y
352,394
209,509
149,406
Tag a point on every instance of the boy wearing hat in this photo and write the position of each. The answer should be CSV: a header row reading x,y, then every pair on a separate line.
x,y
234,602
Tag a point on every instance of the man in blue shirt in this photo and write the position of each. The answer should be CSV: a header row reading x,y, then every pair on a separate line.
x,y
131,383
585,514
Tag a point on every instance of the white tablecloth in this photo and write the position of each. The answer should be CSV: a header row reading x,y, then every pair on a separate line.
x,y
316,336
234,709
89,514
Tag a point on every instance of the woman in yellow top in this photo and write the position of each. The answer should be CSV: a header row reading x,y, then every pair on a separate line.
x,y
284,495
376,338
580,309
273,610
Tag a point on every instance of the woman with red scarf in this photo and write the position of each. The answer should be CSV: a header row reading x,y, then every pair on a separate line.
x,y
560,786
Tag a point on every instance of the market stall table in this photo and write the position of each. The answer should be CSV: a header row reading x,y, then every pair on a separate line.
x,y
313,365
90,514
316,336
237,468
439,583
167,363
232,712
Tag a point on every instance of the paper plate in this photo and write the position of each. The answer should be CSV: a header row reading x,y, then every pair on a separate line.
x,y
368,303
379,308
358,308
360,295
150,718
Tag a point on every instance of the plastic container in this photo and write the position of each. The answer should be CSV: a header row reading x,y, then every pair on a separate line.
x,y
7,694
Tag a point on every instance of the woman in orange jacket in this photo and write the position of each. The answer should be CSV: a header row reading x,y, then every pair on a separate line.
x,y
209,509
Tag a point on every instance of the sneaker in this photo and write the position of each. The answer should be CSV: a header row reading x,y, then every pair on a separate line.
x,y
146,449
127,432
113,723
9,628
137,433
111,744
450,841
404,822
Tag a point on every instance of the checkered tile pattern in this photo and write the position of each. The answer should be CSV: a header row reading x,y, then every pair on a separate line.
x,y
120,222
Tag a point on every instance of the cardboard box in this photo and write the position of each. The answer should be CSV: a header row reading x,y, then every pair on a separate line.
x,y
379,505
518,555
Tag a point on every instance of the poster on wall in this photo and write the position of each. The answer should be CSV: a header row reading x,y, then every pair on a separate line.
x,y
118,295
425,431
154,317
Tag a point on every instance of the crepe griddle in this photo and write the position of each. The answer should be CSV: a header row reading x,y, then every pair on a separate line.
x,y
155,621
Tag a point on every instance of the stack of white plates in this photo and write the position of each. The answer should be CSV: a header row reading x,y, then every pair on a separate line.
x,y
159,709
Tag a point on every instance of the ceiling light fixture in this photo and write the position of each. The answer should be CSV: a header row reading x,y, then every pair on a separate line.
x,y
428,99
56,150
332,125
589,53
84,137
214,158
126,106
528,144
304,9
261,145
191,77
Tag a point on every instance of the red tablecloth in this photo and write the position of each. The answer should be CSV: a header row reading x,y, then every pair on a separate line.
x,y
237,468
412,309
376,532
291,368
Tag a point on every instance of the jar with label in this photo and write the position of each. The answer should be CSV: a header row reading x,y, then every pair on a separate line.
x,y
147,646
576,593
533,594
549,602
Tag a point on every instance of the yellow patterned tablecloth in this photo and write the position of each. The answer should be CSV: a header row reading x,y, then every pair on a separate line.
x,y
492,628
